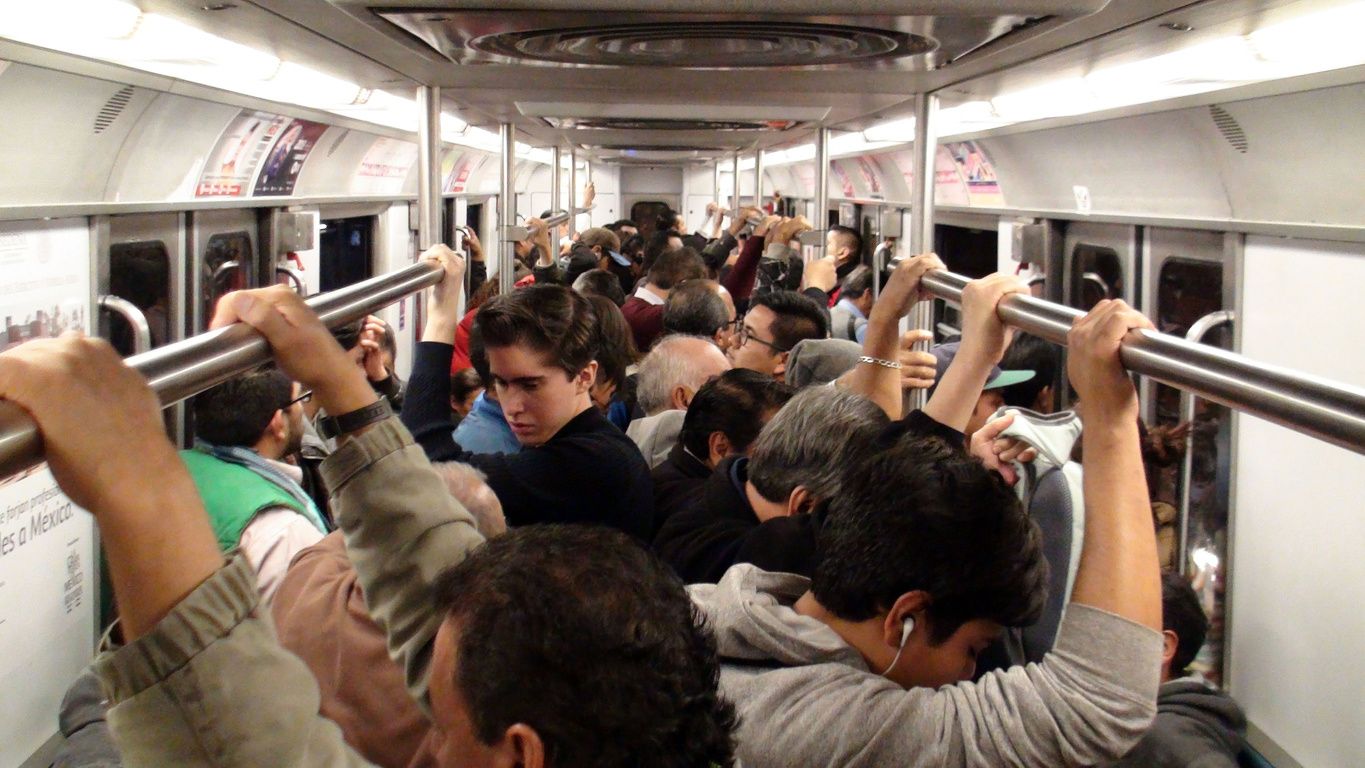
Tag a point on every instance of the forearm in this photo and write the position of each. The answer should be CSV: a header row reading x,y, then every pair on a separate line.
x,y
956,393
879,383
402,529
159,543
740,281
1118,569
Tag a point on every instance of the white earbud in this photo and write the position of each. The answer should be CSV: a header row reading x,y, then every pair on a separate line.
x,y
907,627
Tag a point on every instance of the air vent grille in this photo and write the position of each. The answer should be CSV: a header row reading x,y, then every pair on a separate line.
x,y
113,108
731,44
1230,128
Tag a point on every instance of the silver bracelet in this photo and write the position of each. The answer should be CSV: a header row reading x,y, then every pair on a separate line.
x,y
894,365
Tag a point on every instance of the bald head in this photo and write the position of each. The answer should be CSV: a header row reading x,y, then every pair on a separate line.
x,y
467,485
675,369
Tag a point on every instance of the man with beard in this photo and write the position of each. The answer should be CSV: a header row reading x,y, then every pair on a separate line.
x,y
244,428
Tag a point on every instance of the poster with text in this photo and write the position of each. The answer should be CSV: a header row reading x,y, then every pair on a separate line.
x,y
48,604
465,166
385,167
232,166
280,171
983,187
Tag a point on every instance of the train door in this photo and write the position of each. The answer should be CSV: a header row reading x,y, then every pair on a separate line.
x,y
346,251
222,258
1189,286
971,251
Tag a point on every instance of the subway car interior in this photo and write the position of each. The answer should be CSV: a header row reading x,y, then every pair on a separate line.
x,y
1192,159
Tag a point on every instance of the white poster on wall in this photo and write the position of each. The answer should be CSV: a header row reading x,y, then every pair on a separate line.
x,y
48,605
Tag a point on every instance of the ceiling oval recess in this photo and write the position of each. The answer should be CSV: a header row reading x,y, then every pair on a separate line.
x,y
739,44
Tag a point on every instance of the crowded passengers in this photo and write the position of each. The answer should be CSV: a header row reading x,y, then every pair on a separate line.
x,y
684,521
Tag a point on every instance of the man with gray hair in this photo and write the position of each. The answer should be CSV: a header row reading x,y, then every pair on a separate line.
x,y
764,509
668,377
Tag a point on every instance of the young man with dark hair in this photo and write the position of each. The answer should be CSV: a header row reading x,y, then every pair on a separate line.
x,y
775,322
645,309
1195,725
244,427
845,246
923,559
193,622
1030,353
723,420
542,344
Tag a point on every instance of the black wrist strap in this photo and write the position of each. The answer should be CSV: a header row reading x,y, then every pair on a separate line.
x,y
335,426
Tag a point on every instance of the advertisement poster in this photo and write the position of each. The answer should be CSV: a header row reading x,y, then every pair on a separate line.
x,y
48,604
232,166
385,167
845,183
466,165
872,172
280,171
982,185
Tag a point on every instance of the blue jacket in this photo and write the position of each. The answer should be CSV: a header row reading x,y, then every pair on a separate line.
x,y
485,429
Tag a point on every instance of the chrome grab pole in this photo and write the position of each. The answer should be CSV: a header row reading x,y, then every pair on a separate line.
x,y
1188,400
1327,410
922,214
142,332
179,371
507,208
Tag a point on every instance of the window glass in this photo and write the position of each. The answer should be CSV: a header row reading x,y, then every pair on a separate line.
x,y
140,273
227,257
1096,274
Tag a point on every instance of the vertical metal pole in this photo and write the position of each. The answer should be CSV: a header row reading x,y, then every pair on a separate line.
x,y
715,177
507,209
556,194
758,178
734,196
821,221
922,210
573,189
429,167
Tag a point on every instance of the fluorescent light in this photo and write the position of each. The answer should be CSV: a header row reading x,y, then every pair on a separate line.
x,y
66,24
902,130
1314,42
298,84
452,126
1065,96
1214,64
162,44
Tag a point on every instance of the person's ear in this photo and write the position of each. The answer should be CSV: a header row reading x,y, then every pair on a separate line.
x,y
780,372
680,398
279,425
1169,643
799,501
911,605
718,447
520,747
586,377
1043,402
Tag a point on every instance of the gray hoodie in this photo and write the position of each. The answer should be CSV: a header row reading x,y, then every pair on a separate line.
x,y
807,698
1195,727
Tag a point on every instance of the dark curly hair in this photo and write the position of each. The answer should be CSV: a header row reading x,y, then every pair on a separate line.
x,y
551,319
923,515
590,640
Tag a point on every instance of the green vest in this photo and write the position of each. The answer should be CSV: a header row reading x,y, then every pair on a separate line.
x,y
234,495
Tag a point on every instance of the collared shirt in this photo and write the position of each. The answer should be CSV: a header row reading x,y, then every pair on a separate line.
x,y
644,294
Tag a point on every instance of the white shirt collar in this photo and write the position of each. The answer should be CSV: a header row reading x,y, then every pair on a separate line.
x,y
648,296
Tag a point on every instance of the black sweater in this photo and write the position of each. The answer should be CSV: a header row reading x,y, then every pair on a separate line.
x,y
719,530
589,472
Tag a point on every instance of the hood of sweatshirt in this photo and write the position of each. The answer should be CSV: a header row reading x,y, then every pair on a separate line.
x,y
750,612
1053,434
1191,698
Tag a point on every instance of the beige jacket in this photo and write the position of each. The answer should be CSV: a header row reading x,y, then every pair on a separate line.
x,y
209,686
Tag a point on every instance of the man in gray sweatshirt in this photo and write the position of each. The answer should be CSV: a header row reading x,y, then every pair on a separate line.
x,y
925,559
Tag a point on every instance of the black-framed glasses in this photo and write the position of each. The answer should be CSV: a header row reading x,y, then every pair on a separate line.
x,y
743,336
303,397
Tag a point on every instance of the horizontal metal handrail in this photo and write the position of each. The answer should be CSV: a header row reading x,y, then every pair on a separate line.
x,y
179,371
1315,406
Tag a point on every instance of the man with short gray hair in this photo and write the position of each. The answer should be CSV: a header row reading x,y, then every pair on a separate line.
x,y
759,510
667,379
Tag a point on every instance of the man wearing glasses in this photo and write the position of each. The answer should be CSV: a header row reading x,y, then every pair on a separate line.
x,y
775,322
244,428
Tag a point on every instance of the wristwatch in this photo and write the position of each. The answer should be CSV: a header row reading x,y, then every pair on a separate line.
x,y
334,426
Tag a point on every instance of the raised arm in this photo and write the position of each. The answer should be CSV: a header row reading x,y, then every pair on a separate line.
x,y
190,621
984,339
880,382
1118,571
